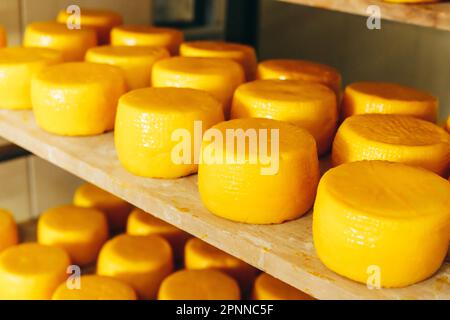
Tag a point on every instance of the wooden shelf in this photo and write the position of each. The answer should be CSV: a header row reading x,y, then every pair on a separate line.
x,y
436,15
285,251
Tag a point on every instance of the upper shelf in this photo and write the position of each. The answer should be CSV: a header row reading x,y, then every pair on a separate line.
x,y
436,15
285,251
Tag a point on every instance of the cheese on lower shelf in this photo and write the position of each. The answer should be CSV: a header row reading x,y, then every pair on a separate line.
x,y
381,223
308,105
266,171
140,261
94,287
388,98
77,98
73,43
448,124
199,285
79,231
267,287
3,37
393,138
31,271
9,235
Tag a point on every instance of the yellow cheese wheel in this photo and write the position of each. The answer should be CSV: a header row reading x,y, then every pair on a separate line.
x,y
8,230
3,37
141,261
17,67
115,209
141,223
285,69
137,35
152,124
77,98
79,231
267,287
308,105
73,43
199,285
135,62
393,138
241,53
382,223
94,287
257,186
220,77
390,98
31,271
102,21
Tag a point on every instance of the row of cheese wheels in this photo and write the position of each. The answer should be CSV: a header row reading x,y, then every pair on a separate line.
x,y
137,264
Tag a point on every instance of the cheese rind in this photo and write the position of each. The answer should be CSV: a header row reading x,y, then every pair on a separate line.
x,y
382,223
311,106
9,234
393,138
267,287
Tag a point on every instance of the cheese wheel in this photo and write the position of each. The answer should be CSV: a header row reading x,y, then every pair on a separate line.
x,y
285,69
137,35
241,53
73,43
382,223
267,287
115,209
9,235
448,124
3,37
153,125
220,77
17,67
94,287
388,98
199,285
102,21
141,261
308,105
77,98
393,138
79,231
31,271
141,223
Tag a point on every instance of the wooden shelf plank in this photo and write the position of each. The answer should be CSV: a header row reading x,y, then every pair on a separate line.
x,y
285,251
436,15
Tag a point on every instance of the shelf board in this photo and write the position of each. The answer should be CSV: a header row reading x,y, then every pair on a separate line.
x,y
286,251
434,15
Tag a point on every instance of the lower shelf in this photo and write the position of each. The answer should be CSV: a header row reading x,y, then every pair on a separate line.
x,y
285,251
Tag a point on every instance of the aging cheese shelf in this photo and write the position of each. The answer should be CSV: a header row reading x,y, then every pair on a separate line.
x,y
286,251
435,15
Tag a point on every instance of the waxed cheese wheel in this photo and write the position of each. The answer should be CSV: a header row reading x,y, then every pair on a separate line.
x,y
73,43
382,223
267,287
77,98
9,235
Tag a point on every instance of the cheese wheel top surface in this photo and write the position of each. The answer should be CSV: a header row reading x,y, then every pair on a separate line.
x,y
142,220
89,194
216,47
93,17
147,31
125,54
390,91
55,29
269,288
21,55
210,256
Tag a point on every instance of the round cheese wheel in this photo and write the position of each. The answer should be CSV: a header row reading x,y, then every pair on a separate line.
x,y
73,43
140,261
393,138
382,223
115,209
285,69
241,53
388,98
156,133
220,77
79,231
3,37
308,105
94,287
135,62
137,35
31,271
9,235
77,98
102,21
199,285
267,287
141,223
258,171
17,66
